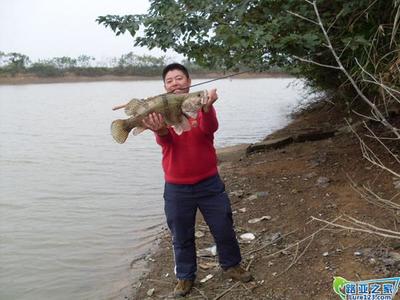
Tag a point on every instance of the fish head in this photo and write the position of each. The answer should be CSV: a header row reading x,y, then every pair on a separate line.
x,y
194,102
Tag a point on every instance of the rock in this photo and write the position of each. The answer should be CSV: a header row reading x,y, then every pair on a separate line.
x,y
392,259
262,194
256,220
273,237
269,144
323,182
242,210
150,292
394,255
357,253
325,254
238,193
207,278
252,197
309,175
207,252
247,236
396,183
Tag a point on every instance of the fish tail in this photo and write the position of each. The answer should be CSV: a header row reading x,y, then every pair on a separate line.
x,y
119,131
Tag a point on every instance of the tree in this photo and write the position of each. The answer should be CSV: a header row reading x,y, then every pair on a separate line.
x,y
13,62
64,62
263,33
84,61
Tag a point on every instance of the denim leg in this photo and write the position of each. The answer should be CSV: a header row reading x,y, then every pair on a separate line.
x,y
180,211
215,206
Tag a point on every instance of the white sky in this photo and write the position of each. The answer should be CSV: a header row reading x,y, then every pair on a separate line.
x,y
54,28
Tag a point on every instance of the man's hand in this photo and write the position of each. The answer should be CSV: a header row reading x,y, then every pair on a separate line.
x,y
212,97
155,122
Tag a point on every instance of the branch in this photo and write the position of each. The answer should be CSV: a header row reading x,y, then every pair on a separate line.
x,y
397,236
343,69
316,63
302,17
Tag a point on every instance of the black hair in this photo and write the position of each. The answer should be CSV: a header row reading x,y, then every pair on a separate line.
x,y
175,66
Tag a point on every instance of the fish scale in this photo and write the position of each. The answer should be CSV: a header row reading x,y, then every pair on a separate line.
x,y
174,108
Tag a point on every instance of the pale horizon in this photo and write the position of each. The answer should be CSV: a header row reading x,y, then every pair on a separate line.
x,y
44,29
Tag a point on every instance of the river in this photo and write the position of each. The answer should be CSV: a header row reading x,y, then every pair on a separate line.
x,y
76,207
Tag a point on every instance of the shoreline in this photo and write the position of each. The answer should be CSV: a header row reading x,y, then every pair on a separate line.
x,y
287,186
31,79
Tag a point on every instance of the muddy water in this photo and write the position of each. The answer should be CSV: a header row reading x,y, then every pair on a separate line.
x,y
75,207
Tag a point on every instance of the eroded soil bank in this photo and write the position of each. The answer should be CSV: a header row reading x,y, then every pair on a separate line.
x,y
275,195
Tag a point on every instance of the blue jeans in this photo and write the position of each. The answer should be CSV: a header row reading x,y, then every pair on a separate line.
x,y
181,203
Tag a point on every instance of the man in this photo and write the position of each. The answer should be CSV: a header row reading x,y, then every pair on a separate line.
x,y
192,182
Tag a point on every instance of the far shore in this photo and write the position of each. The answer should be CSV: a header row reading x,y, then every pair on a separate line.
x,y
33,79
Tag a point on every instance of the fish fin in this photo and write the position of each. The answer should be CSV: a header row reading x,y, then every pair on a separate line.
x,y
138,130
183,126
191,114
119,131
134,107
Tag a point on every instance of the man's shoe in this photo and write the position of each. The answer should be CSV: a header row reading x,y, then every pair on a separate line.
x,y
183,287
238,273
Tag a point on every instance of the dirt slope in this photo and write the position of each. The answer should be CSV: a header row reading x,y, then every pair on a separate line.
x,y
293,257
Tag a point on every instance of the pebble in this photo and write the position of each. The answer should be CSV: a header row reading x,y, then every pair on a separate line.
x,y
211,251
150,292
325,254
207,278
309,175
357,253
251,198
323,182
247,236
273,237
238,193
256,220
396,183
262,194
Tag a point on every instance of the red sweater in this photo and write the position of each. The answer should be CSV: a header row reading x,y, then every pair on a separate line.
x,y
190,157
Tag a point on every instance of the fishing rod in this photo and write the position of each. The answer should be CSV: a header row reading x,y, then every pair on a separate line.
x,y
218,78
193,85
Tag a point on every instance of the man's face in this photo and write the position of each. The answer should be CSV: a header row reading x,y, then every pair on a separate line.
x,y
176,82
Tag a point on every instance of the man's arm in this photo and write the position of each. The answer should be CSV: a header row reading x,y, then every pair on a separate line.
x,y
208,122
212,97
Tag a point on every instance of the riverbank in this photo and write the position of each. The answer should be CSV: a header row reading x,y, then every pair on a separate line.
x,y
33,79
275,195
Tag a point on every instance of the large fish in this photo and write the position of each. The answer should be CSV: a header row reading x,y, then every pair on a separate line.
x,y
175,108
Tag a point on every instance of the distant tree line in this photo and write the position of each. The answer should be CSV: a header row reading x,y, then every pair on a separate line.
x,y
130,64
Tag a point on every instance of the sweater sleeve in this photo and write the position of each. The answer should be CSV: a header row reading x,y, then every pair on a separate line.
x,y
208,122
164,139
